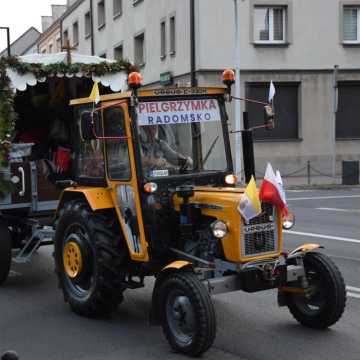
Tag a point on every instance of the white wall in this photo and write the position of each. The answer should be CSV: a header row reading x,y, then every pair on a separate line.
x,y
146,15
84,46
314,29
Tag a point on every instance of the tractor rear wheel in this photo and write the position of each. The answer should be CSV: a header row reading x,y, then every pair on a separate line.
x,y
187,314
5,253
325,303
89,259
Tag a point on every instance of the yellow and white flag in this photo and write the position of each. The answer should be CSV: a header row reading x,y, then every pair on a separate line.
x,y
95,94
250,205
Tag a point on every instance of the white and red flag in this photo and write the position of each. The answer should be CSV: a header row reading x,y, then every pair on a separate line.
x,y
281,185
272,92
272,192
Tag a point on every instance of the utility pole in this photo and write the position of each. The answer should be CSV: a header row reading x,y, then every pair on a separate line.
x,y
193,79
238,118
7,37
333,124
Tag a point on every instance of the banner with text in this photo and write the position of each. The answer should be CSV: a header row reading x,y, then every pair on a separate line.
x,y
178,112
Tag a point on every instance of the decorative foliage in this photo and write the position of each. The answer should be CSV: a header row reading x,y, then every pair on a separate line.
x,y
7,114
40,70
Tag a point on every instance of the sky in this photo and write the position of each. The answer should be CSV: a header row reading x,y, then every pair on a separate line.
x,y
20,15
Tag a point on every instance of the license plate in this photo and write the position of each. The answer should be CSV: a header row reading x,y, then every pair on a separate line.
x,y
258,228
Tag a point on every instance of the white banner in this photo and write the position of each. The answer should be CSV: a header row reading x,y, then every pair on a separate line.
x,y
178,112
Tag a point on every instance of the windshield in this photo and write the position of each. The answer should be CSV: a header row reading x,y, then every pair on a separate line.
x,y
181,137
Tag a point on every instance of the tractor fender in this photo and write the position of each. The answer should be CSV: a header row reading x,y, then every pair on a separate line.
x,y
177,265
174,266
305,248
98,198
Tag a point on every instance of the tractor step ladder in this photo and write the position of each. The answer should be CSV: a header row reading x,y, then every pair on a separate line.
x,y
40,236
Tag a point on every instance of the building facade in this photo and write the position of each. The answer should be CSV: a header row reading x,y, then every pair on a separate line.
x,y
50,39
24,44
295,44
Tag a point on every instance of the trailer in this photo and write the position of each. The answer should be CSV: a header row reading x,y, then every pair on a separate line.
x,y
38,141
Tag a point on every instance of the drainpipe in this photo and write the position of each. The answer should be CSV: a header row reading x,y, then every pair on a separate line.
x,y
92,28
333,125
193,79
61,34
238,119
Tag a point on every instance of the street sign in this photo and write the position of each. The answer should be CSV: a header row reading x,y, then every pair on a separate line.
x,y
166,78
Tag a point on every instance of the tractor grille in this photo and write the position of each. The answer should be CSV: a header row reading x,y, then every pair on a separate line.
x,y
258,236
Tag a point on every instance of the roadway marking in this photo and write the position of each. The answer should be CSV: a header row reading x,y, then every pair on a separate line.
x,y
322,236
340,210
323,197
353,291
299,191
356,296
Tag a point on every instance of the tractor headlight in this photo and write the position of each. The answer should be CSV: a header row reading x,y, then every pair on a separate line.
x,y
219,229
288,221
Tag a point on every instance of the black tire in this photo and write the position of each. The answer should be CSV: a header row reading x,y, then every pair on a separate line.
x,y
100,285
5,253
199,312
327,299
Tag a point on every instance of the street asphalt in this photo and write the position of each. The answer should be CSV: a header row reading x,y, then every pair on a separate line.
x,y
36,323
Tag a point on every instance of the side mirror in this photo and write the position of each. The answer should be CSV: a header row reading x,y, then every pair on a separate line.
x,y
269,117
90,126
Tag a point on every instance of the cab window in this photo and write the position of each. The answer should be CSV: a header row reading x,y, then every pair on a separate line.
x,y
90,160
117,151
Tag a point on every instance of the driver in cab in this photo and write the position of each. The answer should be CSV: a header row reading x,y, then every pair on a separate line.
x,y
157,153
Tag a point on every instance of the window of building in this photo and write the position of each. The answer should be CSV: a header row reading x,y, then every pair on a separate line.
x,y
119,52
172,35
347,124
76,33
50,48
117,8
58,45
139,55
87,25
351,24
163,39
286,110
270,24
101,13
65,36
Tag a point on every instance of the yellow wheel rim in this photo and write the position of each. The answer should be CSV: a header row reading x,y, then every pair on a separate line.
x,y
72,259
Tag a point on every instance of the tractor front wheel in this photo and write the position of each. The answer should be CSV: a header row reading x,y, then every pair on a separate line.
x,y
324,303
187,314
89,260
5,253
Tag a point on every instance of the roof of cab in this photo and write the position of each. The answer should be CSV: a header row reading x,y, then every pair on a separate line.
x,y
162,92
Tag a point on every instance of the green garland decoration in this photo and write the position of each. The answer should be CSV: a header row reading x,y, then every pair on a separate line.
x,y
7,113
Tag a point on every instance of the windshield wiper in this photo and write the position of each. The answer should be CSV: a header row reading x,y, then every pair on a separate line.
x,y
210,150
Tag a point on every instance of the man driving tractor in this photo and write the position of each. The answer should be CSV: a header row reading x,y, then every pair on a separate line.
x,y
157,153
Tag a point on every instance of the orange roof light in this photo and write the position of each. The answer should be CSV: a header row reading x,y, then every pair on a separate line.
x,y
228,77
135,80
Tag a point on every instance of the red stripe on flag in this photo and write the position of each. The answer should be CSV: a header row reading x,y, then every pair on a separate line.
x,y
269,193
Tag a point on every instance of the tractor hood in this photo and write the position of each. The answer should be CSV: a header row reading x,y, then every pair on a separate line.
x,y
222,203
